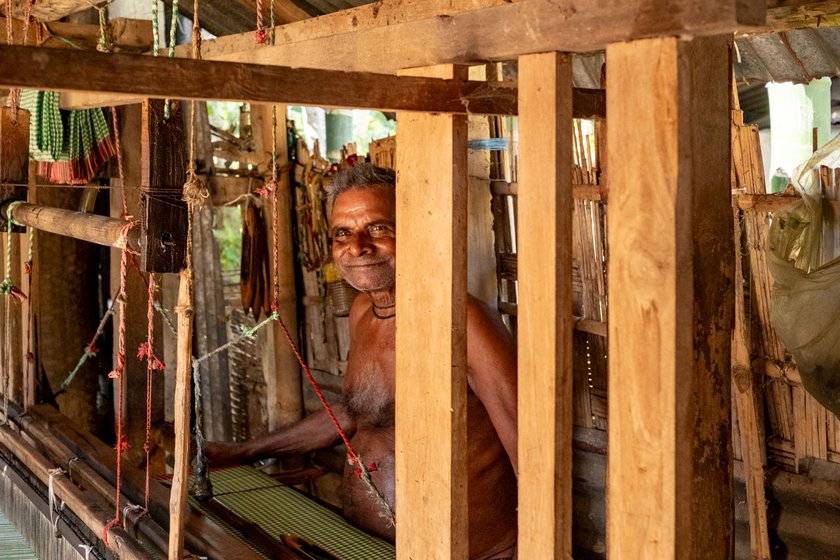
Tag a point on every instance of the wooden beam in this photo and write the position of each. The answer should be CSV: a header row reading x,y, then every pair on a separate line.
x,y
435,34
671,301
125,35
202,80
545,321
78,225
94,517
431,393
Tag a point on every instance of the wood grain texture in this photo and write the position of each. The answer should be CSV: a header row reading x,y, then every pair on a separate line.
x,y
436,33
78,225
163,229
87,510
545,321
431,491
178,508
283,375
671,305
204,80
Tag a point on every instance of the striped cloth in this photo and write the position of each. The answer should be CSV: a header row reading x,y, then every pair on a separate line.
x,y
12,544
46,138
69,146
280,510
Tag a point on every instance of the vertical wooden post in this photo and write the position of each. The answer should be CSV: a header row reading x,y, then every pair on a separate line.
x,y
671,299
183,386
431,490
283,379
545,306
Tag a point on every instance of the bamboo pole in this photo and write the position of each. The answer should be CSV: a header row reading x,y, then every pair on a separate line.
x,y
180,479
90,513
78,225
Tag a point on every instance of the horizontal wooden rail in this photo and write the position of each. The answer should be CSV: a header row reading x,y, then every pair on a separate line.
x,y
90,513
78,225
132,77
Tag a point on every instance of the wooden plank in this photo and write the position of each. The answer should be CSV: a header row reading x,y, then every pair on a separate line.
x,y
670,238
163,160
545,321
284,404
436,34
125,35
431,393
205,80
747,416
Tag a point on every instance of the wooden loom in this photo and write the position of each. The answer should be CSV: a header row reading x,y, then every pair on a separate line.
x,y
545,341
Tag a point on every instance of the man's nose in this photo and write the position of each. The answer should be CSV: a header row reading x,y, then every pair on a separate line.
x,y
360,245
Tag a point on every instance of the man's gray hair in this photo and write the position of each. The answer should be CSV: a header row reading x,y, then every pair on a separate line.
x,y
362,176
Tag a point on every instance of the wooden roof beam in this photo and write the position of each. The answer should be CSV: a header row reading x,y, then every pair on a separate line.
x,y
154,77
386,36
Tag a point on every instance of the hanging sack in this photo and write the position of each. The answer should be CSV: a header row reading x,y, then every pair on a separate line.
x,y
803,260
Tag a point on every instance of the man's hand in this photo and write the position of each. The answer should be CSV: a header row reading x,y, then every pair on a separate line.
x,y
222,454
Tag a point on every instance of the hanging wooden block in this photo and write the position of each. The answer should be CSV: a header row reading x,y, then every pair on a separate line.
x,y
163,232
14,158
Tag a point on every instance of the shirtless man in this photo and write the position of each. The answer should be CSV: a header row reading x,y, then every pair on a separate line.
x,y
364,250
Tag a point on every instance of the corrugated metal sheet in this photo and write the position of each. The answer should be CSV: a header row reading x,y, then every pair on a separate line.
x,y
794,56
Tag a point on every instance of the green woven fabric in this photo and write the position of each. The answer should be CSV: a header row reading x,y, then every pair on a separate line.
x,y
46,138
12,544
280,510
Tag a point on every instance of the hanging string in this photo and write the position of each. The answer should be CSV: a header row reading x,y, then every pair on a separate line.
x,y
259,36
195,194
9,289
155,24
273,34
146,351
55,513
29,358
118,148
14,93
122,444
90,350
173,34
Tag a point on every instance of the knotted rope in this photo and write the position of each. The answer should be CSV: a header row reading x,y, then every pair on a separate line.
x,y
147,352
55,513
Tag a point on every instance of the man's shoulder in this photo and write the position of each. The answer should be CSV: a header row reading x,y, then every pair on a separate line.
x,y
360,305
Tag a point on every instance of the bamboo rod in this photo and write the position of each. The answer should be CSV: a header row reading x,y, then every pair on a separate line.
x,y
91,514
78,225
180,479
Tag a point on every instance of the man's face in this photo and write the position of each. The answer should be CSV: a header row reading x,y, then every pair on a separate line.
x,y
364,237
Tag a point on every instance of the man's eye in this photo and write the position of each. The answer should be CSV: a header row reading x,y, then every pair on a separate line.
x,y
340,234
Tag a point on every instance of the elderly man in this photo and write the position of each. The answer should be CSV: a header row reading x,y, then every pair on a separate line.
x,y
364,250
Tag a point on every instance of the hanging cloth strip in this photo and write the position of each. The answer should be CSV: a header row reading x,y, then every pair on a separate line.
x,y
69,146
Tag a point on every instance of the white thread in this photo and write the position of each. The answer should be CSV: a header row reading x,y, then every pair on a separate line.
x,y
54,517
87,548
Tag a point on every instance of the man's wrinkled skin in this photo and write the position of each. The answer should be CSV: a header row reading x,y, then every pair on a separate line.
x,y
364,249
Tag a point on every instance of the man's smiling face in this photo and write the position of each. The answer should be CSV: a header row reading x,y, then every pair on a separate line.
x,y
364,237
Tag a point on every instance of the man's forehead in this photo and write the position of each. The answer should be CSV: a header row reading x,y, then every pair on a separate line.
x,y
374,198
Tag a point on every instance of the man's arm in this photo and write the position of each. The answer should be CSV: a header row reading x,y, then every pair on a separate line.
x,y
316,431
491,358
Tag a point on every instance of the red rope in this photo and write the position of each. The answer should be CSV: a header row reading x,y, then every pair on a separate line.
x,y
146,351
118,149
351,453
122,443
260,35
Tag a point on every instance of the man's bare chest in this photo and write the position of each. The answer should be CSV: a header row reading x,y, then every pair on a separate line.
x,y
369,379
